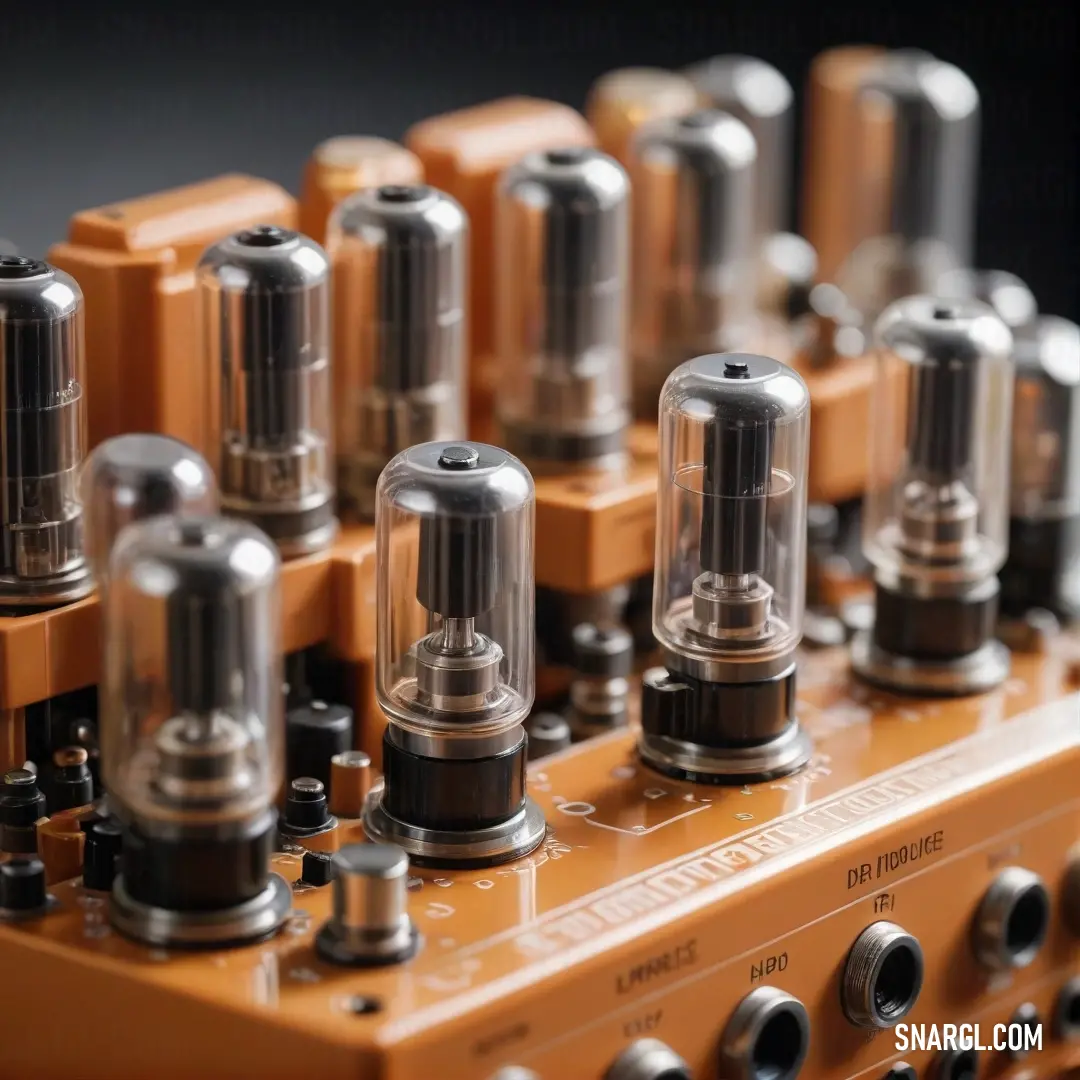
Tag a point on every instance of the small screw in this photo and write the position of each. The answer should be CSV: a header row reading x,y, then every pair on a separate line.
x,y
401,193
264,236
459,457
359,1005
306,788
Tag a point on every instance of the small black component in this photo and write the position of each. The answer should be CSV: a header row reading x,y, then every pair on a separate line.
x,y
21,800
1067,1011
101,855
1039,572
956,1065
72,781
603,652
21,805
359,1005
548,734
22,885
318,869
638,614
264,236
451,794
901,1071
313,735
306,807
1027,1017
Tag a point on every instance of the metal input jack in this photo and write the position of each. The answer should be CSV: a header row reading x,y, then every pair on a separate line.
x,y
1067,1011
882,977
766,1038
648,1059
1012,920
956,1065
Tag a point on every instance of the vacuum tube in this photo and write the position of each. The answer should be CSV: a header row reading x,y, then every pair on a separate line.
x,y
455,696
730,578
935,526
192,746
42,563
400,258
562,246
264,297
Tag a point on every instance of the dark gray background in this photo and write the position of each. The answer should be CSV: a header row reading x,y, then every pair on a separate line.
x,y
103,101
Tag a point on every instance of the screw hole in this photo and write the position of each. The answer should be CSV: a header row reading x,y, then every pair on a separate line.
x,y
359,1005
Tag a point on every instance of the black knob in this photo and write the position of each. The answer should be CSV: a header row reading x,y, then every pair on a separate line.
x,y
313,735
101,855
72,781
22,885
603,652
306,807
22,803
548,733
318,868
21,800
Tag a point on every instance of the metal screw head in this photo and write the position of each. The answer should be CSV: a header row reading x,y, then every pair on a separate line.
x,y
459,457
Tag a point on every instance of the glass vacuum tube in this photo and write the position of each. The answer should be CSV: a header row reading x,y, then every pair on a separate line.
x,y
930,112
456,646
693,261
132,477
935,524
264,298
43,367
400,277
1043,564
193,730
562,246
730,578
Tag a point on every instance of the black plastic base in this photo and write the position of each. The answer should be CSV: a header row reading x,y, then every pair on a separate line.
x,y
937,629
1036,573
198,874
762,776
718,715
450,794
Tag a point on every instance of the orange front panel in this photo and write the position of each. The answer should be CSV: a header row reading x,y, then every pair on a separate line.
x,y
652,908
